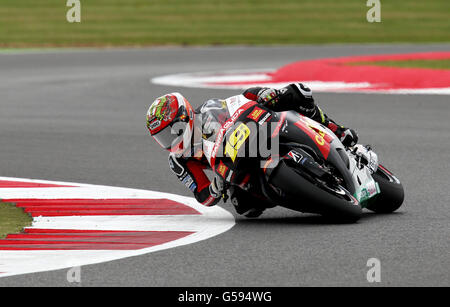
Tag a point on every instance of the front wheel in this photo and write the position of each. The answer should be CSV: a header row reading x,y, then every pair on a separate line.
x,y
333,202
392,192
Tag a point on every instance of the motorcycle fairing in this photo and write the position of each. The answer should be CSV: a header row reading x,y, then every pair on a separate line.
x,y
239,107
366,186
319,135
324,142
234,103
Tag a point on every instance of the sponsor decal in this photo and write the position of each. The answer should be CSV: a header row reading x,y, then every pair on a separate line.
x,y
264,119
187,181
154,124
295,156
222,169
256,114
372,188
320,138
368,191
230,175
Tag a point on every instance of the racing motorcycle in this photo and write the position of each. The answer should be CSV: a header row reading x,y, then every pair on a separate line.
x,y
311,172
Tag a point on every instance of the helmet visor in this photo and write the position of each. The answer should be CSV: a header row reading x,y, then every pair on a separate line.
x,y
171,136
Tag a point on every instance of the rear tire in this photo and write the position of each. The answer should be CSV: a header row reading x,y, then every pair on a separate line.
x,y
305,196
392,192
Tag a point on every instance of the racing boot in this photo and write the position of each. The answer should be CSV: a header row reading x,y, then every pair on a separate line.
x,y
246,205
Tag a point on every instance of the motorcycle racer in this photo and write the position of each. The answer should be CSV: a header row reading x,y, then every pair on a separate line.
x,y
172,112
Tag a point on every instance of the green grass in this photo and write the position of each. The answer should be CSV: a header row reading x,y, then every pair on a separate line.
x,y
432,64
12,219
31,23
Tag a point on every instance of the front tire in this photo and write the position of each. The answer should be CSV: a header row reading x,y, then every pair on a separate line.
x,y
302,195
392,192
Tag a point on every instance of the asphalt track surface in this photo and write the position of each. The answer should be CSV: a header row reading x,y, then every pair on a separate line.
x,y
79,116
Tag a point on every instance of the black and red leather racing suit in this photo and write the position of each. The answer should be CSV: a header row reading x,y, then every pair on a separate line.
x,y
297,97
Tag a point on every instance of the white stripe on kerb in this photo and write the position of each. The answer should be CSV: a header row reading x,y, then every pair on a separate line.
x,y
245,79
212,222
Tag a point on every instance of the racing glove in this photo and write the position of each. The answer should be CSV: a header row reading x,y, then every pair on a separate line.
x,y
268,96
217,187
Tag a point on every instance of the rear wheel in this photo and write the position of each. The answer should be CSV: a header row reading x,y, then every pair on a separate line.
x,y
331,201
392,192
